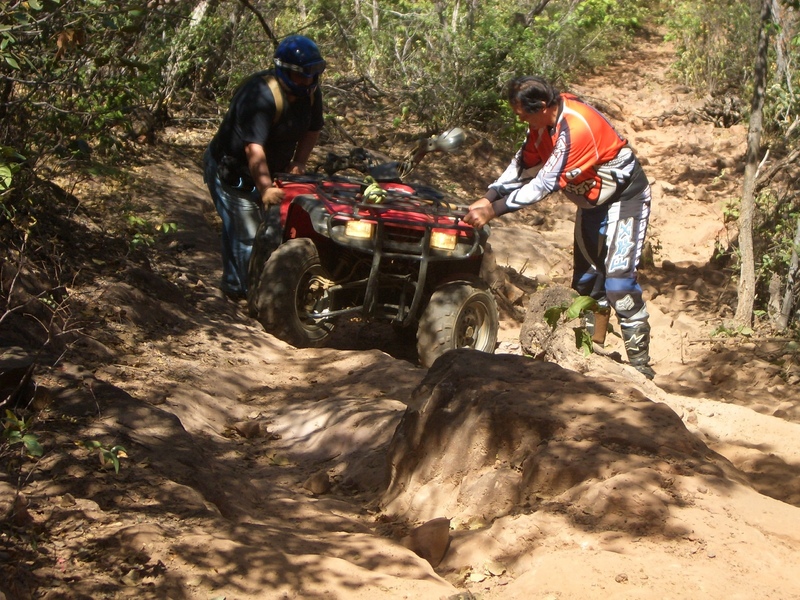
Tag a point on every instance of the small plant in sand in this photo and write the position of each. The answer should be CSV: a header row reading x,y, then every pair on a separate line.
x,y
108,457
17,431
731,330
570,312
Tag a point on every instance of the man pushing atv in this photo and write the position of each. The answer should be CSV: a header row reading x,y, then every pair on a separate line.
x,y
272,125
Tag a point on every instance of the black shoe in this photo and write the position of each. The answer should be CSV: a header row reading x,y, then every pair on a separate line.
x,y
234,295
645,370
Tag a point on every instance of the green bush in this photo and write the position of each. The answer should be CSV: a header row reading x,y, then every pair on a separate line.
x,y
449,67
714,42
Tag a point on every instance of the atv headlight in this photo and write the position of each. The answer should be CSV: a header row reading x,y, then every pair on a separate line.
x,y
443,240
361,230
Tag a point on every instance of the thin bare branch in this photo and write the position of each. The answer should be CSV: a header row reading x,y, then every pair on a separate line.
x,y
264,25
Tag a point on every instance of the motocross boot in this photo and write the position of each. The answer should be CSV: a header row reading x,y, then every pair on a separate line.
x,y
637,345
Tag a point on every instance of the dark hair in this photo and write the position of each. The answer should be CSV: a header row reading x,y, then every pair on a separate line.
x,y
531,93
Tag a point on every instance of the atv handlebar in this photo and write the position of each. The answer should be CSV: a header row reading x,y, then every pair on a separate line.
x,y
361,160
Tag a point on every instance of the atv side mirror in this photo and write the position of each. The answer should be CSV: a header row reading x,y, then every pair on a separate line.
x,y
450,140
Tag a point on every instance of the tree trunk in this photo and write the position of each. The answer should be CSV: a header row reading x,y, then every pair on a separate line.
x,y
747,275
177,54
536,11
782,42
454,21
375,16
373,21
782,322
215,62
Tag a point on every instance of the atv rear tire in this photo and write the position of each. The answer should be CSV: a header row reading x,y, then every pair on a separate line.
x,y
292,284
459,315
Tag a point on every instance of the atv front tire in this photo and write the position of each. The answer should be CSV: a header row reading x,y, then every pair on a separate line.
x,y
293,285
459,315
264,244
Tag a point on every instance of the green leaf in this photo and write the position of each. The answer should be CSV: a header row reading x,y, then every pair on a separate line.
x,y
5,177
32,445
583,340
112,458
12,62
12,419
35,4
579,305
9,152
553,314
22,18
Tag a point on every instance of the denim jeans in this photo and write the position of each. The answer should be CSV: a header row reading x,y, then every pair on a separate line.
x,y
241,212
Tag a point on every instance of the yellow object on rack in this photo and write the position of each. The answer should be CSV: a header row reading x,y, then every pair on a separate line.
x,y
374,194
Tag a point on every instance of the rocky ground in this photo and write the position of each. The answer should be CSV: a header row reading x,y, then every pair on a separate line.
x,y
254,470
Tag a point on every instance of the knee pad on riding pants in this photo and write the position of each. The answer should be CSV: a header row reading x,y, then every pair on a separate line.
x,y
625,296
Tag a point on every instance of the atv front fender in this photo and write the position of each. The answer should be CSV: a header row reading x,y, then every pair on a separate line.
x,y
305,216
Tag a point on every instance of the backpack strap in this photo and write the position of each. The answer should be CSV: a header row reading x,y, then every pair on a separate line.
x,y
277,94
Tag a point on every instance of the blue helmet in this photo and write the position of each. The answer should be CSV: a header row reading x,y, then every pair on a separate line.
x,y
299,54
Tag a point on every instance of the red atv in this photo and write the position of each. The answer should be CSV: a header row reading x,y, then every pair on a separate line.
x,y
376,248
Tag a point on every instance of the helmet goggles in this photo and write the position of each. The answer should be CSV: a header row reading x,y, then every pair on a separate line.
x,y
310,70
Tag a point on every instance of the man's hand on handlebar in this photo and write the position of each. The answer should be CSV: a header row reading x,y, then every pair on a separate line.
x,y
480,213
297,168
272,195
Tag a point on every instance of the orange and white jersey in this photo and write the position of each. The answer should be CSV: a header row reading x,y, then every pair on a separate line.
x,y
581,155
